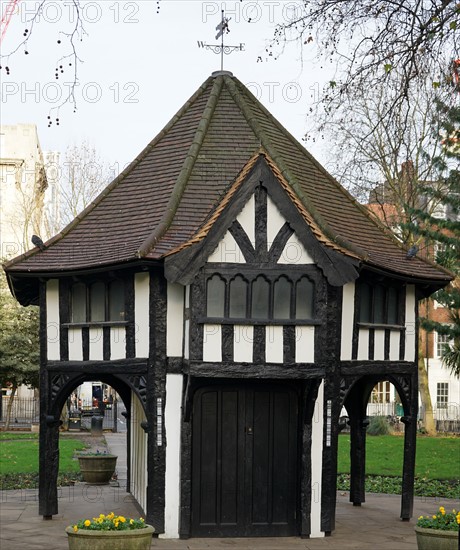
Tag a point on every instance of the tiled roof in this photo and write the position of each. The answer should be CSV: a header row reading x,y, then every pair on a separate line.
x,y
176,188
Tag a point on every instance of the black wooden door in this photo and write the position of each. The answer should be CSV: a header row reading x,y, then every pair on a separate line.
x,y
244,461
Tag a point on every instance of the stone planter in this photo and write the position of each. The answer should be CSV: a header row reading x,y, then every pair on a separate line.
x,y
135,539
436,539
97,469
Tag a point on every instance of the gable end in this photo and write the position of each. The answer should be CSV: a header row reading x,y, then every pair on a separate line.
x,y
183,265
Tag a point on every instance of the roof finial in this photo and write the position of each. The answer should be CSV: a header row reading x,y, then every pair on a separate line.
x,y
222,29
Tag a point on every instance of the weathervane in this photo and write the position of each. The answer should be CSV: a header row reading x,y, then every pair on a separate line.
x,y
222,28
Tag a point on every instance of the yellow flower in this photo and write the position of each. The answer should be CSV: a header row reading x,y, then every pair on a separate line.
x,y
434,517
141,519
442,510
131,521
101,516
75,528
122,519
420,517
87,523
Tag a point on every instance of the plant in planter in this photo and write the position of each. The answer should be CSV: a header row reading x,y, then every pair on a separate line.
x,y
439,531
97,467
110,532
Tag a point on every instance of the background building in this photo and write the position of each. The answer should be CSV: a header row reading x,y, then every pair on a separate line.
x,y
29,196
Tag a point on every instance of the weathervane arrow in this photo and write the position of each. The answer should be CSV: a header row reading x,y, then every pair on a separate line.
x,y
222,29
222,26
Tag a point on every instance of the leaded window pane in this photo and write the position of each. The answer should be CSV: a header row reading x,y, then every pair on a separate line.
x,y
117,301
260,298
97,302
304,300
215,297
379,305
365,303
282,299
238,297
393,303
79,303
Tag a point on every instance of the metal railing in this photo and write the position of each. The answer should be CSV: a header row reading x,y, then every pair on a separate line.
x,y
25,411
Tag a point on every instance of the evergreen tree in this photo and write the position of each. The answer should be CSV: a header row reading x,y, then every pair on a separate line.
x,y
441,231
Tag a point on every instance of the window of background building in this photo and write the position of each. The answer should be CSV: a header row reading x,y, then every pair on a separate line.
x,y
442,395
442,344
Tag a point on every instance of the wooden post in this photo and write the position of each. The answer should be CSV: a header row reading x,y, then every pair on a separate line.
x,y
48,466
358,426
410,434
49,427
156,387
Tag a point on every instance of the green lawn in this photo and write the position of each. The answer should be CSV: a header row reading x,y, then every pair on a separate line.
x,y
437,457
21,455
18,435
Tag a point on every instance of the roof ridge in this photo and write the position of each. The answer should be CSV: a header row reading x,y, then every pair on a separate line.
x,y
114,183
189,162
276,158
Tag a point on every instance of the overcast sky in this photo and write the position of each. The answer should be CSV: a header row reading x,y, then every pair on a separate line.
x,y
139,66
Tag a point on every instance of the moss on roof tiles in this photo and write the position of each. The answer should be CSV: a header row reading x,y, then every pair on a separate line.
x,y
169,194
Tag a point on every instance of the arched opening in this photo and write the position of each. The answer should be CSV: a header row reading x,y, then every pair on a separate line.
x,y
90,399
360,453
129,443
383,431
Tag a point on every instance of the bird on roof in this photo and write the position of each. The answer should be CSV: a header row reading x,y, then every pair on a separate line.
x,y
36,241
412,252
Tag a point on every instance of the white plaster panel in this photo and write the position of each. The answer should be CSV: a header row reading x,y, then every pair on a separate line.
x,y
96,352
186,340
141,313
348,315
363,343
187,325
379,345
173,431
409,354
227,251
274,344
275,221
395,337
295,253
139,455
304,344
52,319
243,343
75,344
212,343
117,343
246,219
175,320
317,464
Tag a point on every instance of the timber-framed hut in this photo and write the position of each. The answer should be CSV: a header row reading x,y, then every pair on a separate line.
x,y
237,298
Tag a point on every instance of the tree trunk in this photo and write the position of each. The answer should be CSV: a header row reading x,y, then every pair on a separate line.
x,y
10,408
425,397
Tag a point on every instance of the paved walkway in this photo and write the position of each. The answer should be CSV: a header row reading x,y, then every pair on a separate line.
x,y
373,526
